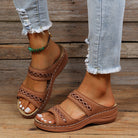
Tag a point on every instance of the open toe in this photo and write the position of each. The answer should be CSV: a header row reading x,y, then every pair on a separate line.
x,y
94,114
46,118
38,100
29,109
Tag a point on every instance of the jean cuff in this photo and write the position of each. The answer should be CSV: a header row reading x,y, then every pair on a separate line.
x,y
92,70
36,30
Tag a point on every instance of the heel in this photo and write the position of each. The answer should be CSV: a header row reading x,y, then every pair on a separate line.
x,y
62,65
107,119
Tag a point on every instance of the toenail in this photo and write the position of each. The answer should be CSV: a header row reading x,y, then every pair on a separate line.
x,y
19,102
20,106
50,122
45,121
42,118
39,115
27,110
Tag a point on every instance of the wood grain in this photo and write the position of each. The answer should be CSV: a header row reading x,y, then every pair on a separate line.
x,y
12,125
15,126
10,32
66,10
12,72
20,51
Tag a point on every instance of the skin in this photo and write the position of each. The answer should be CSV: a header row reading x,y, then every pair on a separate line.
x,y
96,87
41,60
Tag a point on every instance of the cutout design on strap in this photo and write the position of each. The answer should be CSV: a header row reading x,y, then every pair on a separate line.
x,y
60,114
82,101
31,96
39,75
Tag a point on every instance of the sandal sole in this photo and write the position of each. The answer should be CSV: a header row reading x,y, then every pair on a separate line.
x,y
58,70
98,119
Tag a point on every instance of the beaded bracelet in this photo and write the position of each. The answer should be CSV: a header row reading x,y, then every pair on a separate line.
x,y
40,49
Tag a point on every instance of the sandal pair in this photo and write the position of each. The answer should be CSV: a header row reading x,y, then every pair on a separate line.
x,y
95,114
39,100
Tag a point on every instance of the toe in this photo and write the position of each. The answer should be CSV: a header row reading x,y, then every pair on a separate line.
x,y
27,110
26,104
46,118
22,103
39,116
30,108
20,100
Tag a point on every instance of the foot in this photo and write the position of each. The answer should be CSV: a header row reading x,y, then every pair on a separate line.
x,y
41,60
96,87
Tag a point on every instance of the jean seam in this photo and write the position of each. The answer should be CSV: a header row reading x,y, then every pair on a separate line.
x,y
98,60
37,10
97,44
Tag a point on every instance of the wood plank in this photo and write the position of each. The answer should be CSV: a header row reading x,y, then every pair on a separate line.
x,y
66,10
12,72
125,125
20,51
10,32
125,95
13,125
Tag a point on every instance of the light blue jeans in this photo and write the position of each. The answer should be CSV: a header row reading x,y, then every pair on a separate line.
x,y
105,19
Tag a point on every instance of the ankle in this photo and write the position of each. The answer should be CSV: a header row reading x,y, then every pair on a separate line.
x,y
38,40
98,88
47,57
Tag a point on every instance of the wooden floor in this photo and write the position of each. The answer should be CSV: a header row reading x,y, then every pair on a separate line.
x,y
12,125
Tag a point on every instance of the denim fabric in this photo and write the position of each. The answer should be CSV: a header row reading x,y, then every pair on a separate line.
x,y
33,15
105,21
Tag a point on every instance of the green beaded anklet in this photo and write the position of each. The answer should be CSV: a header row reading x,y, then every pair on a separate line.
x,y
40,49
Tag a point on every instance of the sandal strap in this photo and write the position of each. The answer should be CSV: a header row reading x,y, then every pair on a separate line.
x,y
87,105
61,117
39,75
46,74
35,98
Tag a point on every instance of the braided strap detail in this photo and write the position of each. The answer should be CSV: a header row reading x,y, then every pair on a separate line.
x,y
31,96
82,101
39,75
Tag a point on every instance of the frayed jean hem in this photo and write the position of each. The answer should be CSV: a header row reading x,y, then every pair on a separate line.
x,y
104,71
36,30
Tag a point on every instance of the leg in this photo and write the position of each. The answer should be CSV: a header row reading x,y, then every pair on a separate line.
x,y
35,20
105,31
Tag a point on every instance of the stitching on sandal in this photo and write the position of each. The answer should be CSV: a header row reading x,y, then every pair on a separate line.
x,y
60,114
39,75
51,81
31,96
82,101
76,122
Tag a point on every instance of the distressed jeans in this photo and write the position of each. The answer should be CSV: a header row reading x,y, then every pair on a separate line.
x,y
105,23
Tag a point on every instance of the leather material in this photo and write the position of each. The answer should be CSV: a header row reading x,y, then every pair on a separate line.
x,y
61,117
87,105
39,99
36,98
95,113
44,74
39,75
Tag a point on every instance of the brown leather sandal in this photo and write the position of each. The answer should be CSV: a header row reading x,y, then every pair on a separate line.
x,y
95,114
39,100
